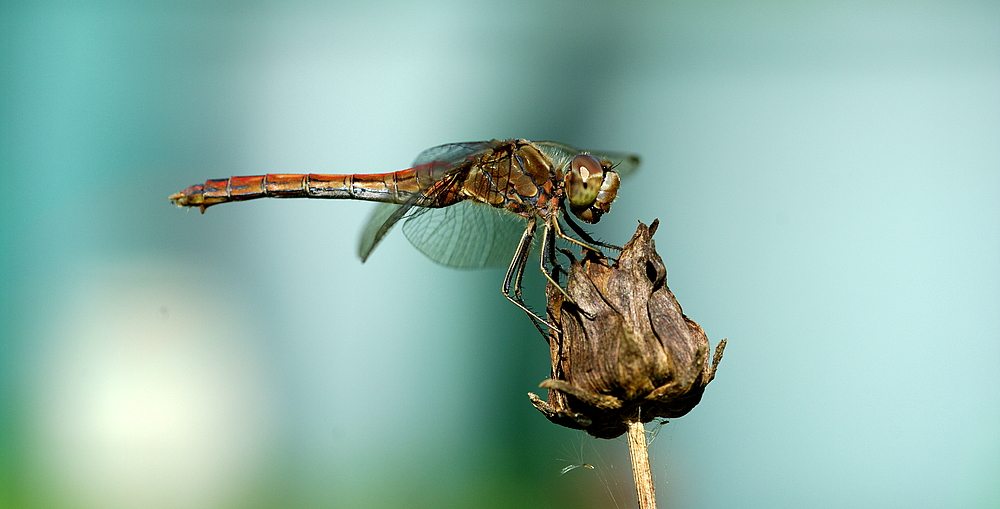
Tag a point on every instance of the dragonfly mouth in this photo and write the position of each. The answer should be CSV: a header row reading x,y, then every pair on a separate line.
x,y
588,215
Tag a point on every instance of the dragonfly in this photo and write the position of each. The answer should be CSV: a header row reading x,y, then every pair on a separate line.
x,y
467,205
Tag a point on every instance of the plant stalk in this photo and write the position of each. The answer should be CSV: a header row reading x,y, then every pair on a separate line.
x,y
640,464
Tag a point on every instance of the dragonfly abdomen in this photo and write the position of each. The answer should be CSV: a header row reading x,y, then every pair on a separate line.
x,y
394,187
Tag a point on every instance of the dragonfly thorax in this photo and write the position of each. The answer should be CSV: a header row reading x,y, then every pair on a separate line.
x,y
590,188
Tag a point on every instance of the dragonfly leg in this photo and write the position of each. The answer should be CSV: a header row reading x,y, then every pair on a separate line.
x,y
587,239
547,241
586,236
546,248
512,281
554,267
581,243
569,255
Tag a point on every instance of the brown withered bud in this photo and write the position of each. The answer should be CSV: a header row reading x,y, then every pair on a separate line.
x,y
625,350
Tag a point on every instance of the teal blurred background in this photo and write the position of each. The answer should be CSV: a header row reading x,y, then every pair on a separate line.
x,y
827,177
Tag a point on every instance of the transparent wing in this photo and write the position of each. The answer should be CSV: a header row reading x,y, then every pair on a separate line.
x,y
452,152
466,234
622,162
383,217
386,215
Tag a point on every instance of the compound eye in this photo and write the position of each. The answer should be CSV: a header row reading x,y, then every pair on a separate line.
x,y
586,166
583,181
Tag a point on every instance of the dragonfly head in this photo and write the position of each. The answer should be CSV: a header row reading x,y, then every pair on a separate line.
x,y
591,186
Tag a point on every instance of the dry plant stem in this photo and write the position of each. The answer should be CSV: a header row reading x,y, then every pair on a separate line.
x,y
640,464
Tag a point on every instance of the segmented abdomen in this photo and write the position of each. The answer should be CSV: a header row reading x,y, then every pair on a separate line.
x,y
394,187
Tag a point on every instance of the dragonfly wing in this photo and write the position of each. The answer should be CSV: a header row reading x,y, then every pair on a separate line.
x,y
452,152
623,163
386,215
383,217
466,234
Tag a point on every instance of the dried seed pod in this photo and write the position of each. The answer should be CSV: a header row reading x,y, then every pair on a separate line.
x,y
625,350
